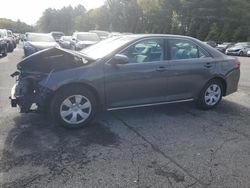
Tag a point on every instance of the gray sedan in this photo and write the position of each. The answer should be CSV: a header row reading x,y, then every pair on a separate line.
x,y
123,72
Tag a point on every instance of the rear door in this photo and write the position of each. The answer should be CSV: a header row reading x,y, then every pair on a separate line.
x,y
190,67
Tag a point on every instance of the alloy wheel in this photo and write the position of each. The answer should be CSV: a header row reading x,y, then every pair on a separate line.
x,y
212,95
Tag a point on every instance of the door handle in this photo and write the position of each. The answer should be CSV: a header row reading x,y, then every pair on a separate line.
x,y
161,69
208,65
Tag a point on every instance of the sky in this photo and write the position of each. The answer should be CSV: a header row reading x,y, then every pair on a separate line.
x,y
29,11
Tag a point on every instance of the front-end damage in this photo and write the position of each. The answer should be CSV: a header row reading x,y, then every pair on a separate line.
x,y
27,91
30,93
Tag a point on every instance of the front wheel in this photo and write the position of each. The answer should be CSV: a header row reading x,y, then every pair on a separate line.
x,y
74,107
210,95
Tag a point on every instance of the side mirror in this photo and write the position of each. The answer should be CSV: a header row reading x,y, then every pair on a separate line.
x,y
119,59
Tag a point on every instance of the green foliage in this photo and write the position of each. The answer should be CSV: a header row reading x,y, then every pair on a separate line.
x,y
219,20
16,27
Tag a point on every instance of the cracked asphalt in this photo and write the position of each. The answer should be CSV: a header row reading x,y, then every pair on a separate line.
x,y
166,146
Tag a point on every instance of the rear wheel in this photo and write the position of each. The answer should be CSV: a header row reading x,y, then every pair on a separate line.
x,y
210,95
74,107
10,48
241,53
5,52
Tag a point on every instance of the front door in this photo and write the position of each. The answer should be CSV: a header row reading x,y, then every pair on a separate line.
x,y
142,80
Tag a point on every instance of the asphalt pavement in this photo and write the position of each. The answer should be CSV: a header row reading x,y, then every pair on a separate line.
x,y
165,146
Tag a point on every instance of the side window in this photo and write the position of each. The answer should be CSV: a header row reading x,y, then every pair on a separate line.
x,y
150,50
184,49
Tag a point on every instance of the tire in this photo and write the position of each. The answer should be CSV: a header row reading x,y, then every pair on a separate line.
x,y
11,48
69,112
210,95
5,52
241,53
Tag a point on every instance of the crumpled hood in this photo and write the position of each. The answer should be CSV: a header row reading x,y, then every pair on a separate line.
x,y
52,59
43,45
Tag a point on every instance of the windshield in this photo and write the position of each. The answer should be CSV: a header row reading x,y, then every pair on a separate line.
x,y
57,35
87,37
105,47
39,38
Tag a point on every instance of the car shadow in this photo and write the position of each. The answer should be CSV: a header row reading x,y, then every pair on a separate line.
x,y
1,57
36,142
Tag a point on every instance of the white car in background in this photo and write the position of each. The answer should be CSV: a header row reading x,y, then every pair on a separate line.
x,y
84,39
239,49
248,53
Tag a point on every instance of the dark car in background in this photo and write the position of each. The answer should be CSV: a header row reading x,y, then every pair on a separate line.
x,y
9,39
3,46
239,49
12,37
123,72
66,42
84,39
35,42
17,37
57,35
211,43
222,47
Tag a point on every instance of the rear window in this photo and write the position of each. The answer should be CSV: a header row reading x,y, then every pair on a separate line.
x,y
185,49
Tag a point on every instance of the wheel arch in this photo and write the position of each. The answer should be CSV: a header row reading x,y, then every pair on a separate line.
x,y
77,85
223,82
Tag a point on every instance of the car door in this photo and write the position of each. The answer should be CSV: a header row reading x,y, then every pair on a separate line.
x,y
142,80
190,67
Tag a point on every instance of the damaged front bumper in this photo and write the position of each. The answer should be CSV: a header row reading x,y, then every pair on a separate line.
x,y
29,96
13,100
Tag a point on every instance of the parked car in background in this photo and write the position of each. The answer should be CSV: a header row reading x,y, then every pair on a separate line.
x,y
211,43
17,37
222,47
8,39
3,46
113,74
35,42
101,34
83,39
13,38
57,35
115,34
239,49
66,42
248,53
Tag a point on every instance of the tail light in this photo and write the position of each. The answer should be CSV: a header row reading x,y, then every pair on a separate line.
x,y
237,63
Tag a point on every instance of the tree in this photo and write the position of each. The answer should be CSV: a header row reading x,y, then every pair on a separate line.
x,y
220,20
